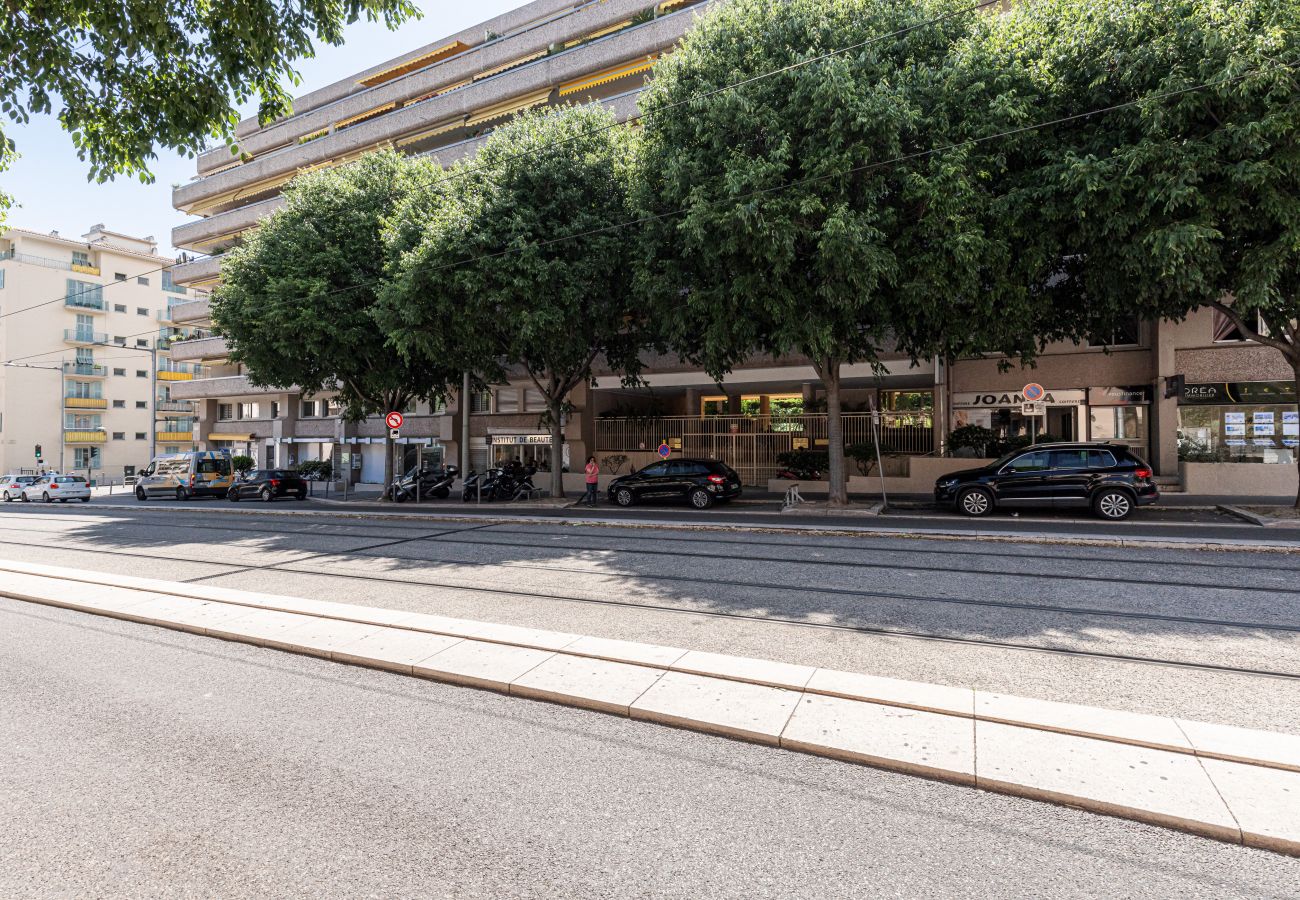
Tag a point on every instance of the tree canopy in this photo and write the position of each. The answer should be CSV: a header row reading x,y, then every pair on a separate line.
x,y
137,75
521,262
296,302
806,213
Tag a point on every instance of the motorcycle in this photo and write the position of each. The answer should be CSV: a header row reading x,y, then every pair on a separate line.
x,y
506,483
418,484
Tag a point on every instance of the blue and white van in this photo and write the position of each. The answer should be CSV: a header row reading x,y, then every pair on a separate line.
x,y
200,473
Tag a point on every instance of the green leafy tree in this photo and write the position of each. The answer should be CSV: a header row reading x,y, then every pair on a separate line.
x,y
296,302
136,75
1189,199
520,264
812,213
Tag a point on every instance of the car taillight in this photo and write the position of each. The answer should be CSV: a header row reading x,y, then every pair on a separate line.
x,y
274,483
717,479
1143,473
53,486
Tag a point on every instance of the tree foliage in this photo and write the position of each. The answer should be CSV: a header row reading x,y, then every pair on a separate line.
x,y
136,75
809,213
1189,199
296,302
520,264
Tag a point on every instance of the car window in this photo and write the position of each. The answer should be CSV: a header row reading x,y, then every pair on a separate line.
x,y
1030,462
214,467
179,466
655,470
71,479
699,468
1069,459
281,473
1101,459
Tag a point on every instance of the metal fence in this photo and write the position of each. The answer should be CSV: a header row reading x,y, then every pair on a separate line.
x,y
751,444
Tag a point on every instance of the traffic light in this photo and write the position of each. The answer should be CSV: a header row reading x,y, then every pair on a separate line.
x,y
38,452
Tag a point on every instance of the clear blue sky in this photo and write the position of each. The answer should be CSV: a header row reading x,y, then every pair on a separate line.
x,y
49,181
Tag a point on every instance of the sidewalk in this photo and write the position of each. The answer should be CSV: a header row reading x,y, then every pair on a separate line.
x,y
1230,784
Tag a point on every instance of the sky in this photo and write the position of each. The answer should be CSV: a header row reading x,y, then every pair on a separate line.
x,y
49,181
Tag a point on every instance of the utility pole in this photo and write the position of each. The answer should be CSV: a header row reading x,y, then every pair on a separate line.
x,y
464,426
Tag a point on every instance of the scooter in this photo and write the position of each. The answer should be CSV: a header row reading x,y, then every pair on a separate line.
x,y
418,484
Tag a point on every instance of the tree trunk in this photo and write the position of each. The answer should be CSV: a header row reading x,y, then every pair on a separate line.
x,y
388,467
557,450
1295,367
839,489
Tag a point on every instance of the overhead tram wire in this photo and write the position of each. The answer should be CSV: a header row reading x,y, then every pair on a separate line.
x,y
866,167
65,296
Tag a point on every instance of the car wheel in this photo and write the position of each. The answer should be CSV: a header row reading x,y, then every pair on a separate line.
x,y
63,499
45,495
233,495
141,495
23,497
975,502
624,497
1113,504
181,494
85,499
700,498
7,497
266,495
301,495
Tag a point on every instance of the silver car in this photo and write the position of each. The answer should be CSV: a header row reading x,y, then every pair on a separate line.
x,y
57,487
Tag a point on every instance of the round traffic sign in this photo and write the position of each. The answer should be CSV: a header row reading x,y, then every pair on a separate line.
x,y
664,450
394,420
1033,391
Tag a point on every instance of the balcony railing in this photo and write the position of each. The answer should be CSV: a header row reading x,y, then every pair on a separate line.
x,y
86,370
47,262
175,406
180,372
175,437
85,402
85,436
87,302
83,336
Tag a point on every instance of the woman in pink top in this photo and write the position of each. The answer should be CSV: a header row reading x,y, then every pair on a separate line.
x,y
593,478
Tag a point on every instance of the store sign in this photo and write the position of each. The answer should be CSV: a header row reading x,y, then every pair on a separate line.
x,y
1243,392
499,439
1130,395
999,399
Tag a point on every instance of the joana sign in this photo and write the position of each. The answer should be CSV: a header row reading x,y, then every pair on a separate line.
x,y
1000,399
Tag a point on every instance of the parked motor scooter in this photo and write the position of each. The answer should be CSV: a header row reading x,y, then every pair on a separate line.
x,y
418,484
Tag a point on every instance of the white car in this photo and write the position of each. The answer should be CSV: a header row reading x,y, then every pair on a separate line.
x,y
11,486
58,487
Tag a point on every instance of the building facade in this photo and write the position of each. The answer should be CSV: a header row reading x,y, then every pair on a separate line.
x,y
442,100
85,332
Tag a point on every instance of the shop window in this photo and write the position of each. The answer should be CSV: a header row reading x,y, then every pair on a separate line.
x,y
508,400
1239,433
1125,334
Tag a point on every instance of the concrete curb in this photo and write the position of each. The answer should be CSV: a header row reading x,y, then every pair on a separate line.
x,y
1227,783
838,530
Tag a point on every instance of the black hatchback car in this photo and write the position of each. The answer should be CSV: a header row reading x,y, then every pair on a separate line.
x,y
703,482
1106,477
268,484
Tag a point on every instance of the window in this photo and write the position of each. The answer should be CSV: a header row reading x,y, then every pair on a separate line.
x,y
275,409
308,410
84,294
1030,462
142,404
119,371
80,258
119,276
85,389
217,466
335,408
507,400
1069,459
119,404
140,279
120,341
169,285
534,401
141,373
171,449
1101,459
1126,334
248,411
142,311
2,279
1226,331
85,457
142,436
119,435
480,402
225,411
119,307
141,342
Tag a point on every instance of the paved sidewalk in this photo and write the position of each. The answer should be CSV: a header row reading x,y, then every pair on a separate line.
x,y
1231,784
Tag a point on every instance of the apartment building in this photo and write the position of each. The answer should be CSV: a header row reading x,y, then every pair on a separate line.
x,y
443,100
85,329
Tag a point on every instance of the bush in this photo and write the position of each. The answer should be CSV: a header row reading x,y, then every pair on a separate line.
x,y
807,464
316,470
973,437
241,463
613,463
865,455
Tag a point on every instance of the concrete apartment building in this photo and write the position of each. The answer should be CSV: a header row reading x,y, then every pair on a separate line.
x,y
1231,431
84,335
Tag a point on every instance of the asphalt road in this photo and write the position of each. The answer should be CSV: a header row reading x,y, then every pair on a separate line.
x,y
140,762
1209,635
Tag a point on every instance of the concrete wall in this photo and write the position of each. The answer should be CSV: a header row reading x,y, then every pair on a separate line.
x,y
1239,479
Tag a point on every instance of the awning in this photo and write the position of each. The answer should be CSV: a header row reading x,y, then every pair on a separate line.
x,y
230,437
510,65
611,74
436,130
428,59
361,117
509,108
670,5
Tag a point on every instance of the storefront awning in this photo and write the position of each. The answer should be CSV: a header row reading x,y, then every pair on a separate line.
x,y
608,75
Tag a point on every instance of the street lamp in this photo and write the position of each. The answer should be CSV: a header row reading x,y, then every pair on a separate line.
x,y
58,407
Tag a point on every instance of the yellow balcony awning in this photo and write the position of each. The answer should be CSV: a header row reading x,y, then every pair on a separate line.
x,y
431,132
85,402
361,117
497,70
175,437
230,437
611,74
84,437
601,32
85,270
444,52
670,5
509,108
175,376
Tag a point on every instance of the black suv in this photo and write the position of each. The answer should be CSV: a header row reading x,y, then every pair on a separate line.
x,y
701,481
1106,477
268,484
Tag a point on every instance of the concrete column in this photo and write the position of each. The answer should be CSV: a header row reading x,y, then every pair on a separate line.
x,y
1163,413
733,404
692,401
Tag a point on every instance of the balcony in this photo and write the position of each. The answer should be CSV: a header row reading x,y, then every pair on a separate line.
x,y
85,402
88,436
225,386
84,337
85,370
89,302
48,263
174,437
202,232
200,271
180,373
190,311
181,406
202,349
167,337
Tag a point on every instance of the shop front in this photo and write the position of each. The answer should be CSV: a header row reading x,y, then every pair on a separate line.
x,y
527,449
1001,413
1121,414
1240,422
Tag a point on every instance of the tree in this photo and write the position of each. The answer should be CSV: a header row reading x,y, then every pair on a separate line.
x,y
296,301
1189,199
135,75
812,212
521,262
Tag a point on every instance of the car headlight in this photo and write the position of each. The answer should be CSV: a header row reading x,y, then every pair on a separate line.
x,y
948,482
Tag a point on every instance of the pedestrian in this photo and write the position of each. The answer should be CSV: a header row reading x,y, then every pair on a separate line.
x,y
593,478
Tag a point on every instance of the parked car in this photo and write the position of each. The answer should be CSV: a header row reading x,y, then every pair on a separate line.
x,y
1108,478
702,482
12,486
268,485
201,473
63,488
